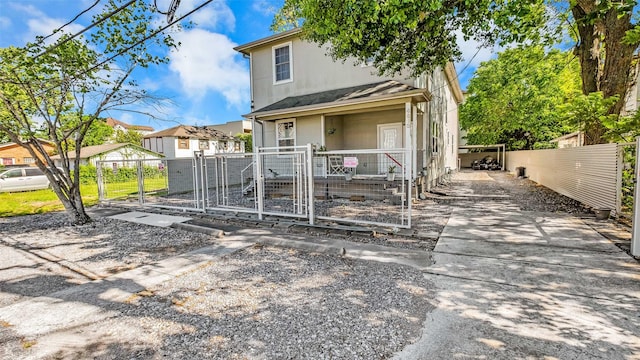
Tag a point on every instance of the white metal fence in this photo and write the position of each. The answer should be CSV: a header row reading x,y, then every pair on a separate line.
x,y
351,186
593,175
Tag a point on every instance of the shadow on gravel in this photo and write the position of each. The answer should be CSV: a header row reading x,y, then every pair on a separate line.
x,y
257,303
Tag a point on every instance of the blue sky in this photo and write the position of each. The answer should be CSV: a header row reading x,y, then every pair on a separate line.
x,y
206,80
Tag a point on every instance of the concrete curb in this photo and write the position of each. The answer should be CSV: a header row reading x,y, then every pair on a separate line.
x,y
199,229
303,245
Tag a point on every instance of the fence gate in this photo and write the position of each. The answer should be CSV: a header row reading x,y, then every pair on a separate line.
x,y
285,182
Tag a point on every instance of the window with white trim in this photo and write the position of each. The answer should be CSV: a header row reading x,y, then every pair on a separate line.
x,y
282,63
286,132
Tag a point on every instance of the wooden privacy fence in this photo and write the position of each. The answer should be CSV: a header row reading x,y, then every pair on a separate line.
x,y
589,174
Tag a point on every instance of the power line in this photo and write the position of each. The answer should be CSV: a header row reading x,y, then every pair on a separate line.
x,y
103,19
152,34
69,22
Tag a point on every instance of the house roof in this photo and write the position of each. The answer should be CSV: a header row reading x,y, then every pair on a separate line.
x,y
246,48
91,151
43,141
113,122
192,132
354,94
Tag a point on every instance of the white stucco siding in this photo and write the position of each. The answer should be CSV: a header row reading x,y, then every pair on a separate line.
x,y
313,71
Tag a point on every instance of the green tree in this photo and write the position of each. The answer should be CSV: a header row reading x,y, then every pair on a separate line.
x,y
129,136
248,141
99,133
518,98
64,88
420,35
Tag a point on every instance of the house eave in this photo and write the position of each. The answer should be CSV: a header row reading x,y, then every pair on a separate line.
x,y
245,48
418,95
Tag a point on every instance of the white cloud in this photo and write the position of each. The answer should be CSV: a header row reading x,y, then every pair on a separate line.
x,y
215,15
206,61
5,22
265,7
44,26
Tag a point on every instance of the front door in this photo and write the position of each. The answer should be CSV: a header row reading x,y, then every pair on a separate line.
x,y
389,137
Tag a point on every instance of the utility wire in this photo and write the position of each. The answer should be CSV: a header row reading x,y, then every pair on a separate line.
x,y
152,34
69,22
103,19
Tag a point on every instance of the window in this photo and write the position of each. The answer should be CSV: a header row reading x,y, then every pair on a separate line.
x,y
222,145
286,132
282,63
159,147
28,160
13,173
33,172
236,146
203,144
183,143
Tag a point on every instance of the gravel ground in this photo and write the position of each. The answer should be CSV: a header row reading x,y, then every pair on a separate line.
x,y
34,245
264,303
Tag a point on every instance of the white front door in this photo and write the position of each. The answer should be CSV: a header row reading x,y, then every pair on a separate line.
x,y
389,137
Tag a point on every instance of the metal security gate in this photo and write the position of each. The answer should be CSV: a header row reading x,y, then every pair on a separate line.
x,y
285,182
348,186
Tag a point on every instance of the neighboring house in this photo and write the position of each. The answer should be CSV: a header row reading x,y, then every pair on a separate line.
x,y
183,140
114,153
122,126
14,154
300,95
570,140
233,128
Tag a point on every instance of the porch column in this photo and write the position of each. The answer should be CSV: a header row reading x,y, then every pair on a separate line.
x,y
322,130
409,115
414,142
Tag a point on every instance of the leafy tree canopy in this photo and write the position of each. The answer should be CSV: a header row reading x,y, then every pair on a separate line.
x,y
420,35
64,88
518,98
129,136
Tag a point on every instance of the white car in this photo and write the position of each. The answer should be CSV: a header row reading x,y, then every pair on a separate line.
x,y
22,179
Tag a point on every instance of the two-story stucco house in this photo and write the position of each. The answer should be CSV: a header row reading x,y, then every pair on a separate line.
x,y
183,140
300,95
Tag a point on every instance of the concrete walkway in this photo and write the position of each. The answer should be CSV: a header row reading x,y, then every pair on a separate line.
x,y
524,285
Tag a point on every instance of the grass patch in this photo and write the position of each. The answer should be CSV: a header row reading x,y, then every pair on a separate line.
x,y
41,201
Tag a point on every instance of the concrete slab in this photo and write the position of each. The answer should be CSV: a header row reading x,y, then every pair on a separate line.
x,y
622,285
150,218
485,320
614,260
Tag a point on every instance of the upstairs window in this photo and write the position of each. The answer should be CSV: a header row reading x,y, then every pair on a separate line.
x,y
282,63
183,143
203,144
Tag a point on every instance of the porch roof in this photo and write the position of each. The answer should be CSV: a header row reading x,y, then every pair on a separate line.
x,y
361,94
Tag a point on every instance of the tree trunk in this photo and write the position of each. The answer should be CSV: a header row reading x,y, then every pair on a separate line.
x,y
72,203
617,63
612,77
588,51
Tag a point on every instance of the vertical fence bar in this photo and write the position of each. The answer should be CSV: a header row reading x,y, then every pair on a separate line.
x,y
311,183
260,183
140,173
408,160
635,240
100,180
620,170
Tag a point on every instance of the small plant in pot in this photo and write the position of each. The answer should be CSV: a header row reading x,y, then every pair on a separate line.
x,y
391,173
